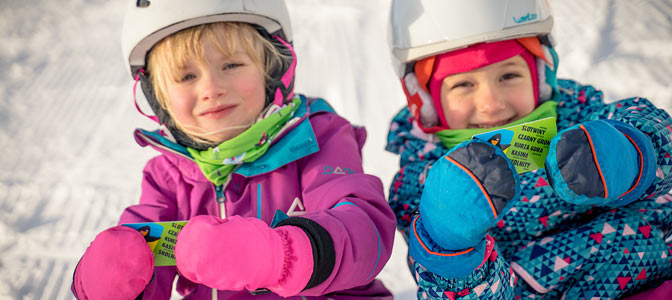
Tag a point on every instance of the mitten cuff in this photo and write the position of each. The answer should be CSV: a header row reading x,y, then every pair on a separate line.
x,y
322,245
298,261
446,263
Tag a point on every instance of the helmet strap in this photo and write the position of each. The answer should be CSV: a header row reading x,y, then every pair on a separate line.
x,y
285,89
135,98
280,85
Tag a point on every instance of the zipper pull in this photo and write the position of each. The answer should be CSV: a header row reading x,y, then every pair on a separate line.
x,y
221,199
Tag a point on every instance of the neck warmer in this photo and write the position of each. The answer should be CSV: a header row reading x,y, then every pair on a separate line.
x,y
218,162
452,137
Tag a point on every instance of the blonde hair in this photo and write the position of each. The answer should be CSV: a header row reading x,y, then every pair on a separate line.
x,y
169,56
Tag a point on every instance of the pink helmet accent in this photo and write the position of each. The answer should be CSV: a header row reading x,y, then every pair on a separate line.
x,y
474,57
286,79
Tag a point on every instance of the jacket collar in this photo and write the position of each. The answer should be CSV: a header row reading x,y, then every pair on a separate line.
x,y
295,144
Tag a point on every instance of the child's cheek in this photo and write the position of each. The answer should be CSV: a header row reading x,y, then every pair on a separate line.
x,y
251,85
457,116
524,100
183,108
252,90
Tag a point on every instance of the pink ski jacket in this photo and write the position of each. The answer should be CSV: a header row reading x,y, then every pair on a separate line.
x,y
311,178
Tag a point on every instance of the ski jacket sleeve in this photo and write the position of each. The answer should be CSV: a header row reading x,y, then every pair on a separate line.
x,y
492,279
405,192
582,103
347,218
157,202
579,104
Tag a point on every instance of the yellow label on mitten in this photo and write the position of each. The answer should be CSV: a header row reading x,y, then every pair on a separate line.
x,y
526,145
161,238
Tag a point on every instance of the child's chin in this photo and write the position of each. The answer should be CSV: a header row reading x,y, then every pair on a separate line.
x,y
227,134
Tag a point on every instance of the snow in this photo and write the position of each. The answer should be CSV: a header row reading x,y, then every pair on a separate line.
x,y
68,162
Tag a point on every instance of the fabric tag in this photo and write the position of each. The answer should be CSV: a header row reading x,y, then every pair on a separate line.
x,y
526,145
161,238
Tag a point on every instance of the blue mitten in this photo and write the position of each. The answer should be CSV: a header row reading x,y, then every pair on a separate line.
x,y
603,162
466,192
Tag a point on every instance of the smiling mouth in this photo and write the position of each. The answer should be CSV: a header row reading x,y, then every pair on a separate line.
x,y
217,112
492,124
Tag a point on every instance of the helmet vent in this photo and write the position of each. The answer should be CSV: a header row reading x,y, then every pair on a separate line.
x,y
142,3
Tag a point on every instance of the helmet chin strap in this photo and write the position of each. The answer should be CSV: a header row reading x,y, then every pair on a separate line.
x,y
135,98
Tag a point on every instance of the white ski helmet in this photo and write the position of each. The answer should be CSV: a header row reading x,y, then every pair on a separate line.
x,y
149,21
422,28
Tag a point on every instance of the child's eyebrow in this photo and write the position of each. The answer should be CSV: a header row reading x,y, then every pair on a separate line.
x,y
514,63
511,63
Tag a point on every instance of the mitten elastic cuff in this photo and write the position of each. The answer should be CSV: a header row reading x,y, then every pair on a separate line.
x,y
298,262
324,254
446,263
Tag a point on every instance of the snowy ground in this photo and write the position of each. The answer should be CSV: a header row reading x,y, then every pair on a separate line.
x,y
68,163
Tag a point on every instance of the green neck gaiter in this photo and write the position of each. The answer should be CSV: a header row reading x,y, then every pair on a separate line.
x,y
217,163
451,137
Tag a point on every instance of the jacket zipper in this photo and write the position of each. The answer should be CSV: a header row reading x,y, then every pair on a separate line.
x,y
221,201
221,198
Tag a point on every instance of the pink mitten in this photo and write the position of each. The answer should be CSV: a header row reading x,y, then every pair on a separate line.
x,y
117,265
244,253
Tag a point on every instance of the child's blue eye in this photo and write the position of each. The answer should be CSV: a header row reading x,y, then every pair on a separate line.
x,y
187,77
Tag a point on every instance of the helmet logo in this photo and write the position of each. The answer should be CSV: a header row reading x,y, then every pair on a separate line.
x,y
525,18
142,3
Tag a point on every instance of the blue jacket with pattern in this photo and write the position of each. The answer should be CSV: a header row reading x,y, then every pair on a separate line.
x,y
544,246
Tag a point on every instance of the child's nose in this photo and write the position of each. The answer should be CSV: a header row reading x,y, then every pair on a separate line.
x,y
489,99
210,88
